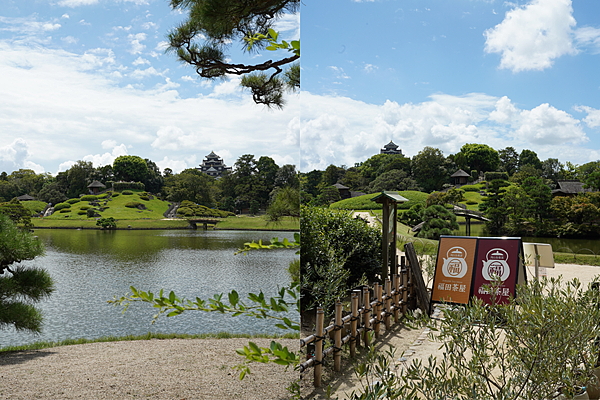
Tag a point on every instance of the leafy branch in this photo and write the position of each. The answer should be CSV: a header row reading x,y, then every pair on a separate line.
x,y
274,244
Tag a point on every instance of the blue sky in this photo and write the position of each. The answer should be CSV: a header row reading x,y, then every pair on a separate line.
x,y
443,73
89,80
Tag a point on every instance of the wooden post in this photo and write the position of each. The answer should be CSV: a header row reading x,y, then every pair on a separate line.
x,y
385,240
396,280
353,321
388,303
366,316
377,309
404,270
337,342
319,346
359,305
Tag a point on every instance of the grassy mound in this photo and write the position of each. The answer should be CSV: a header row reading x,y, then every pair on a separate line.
x,y
365,202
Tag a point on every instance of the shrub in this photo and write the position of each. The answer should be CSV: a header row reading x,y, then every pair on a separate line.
x,y
470,188
333,243
133,204
437,221
107,223
84,207
61,206
88,197
115,195
470,202
146,198
81,212
490,176
121,186
91,213
65,210
72,201
127,192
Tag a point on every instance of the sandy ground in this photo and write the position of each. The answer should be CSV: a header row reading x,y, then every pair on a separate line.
x,y
145,369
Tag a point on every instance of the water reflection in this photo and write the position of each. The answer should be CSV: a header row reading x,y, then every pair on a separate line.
x,y
89,267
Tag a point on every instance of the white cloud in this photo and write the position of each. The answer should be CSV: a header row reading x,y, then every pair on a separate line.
x,y
547,125
141,74
532,36
588,36
76,3
138,2
65,16
16,156
288,27
50,26
82,22
81,112
69,39
149,25
339,72
227,88
99,160
342,131
187,78
162,46
593,116
504,112
370,68
134,40
109,144
140,61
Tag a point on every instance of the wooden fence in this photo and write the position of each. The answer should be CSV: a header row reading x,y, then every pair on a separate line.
x,y
393,298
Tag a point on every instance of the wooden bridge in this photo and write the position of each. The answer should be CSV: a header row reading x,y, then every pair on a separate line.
x,y
204,221
468,214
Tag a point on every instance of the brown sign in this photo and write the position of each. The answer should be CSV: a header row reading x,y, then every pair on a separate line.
x,y
454,270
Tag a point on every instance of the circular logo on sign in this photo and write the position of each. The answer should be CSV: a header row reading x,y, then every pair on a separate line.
x,y
455,266
496,265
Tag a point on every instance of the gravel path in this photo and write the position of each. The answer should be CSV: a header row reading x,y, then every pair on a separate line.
x,y
143,369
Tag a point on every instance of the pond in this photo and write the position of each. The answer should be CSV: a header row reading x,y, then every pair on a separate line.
x,y
89,267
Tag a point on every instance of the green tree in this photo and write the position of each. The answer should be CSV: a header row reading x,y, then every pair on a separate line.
x,y
52,193
492,206
552,170
480,157
540,195
191,185
328,195
593,181
25,285
509,160
287,177
437,221
130,169
393,180
310,182
214,25
154,181
285,204
529,157
79,176
430,169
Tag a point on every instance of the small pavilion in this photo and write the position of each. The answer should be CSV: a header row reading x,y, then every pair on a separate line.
x,y
460,177
96,187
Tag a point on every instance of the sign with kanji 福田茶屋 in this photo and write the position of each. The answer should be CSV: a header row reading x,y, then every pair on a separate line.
x,y
467,266
454,270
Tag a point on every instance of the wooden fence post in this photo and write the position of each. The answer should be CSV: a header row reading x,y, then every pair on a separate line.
x,y
319,346
377,309
388,303
366,316
396,280
337,343
354,338
404,285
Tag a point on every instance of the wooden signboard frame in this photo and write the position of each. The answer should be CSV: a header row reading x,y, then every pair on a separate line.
x,y
417,274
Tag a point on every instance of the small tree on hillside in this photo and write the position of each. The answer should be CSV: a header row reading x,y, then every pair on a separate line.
x,y
20,286
438,221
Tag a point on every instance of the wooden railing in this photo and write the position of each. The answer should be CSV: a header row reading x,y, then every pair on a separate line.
x,y
393,298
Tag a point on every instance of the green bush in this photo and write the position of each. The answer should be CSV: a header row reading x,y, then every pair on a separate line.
x,y
437,221
81,212
85,207
88,197
121,186
61,206
107,223
73,201
365,203
91,213
470,202
185,211
336,252
133,204
470,188
190,209
490,176
146,198
65,210
115,195
127,192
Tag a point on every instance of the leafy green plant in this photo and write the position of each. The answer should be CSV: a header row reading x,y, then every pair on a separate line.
x,y
107,223
61,206
133,204
88,197
73,201
127,192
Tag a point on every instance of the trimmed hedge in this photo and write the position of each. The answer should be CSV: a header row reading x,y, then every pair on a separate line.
x,y
88,197
84,207
65,210
72,201
470,188
133,204
61,206
81,212
146,198
189,209
127,192
120,186
115,195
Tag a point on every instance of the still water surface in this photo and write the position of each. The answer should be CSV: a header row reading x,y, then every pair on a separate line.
x,y
89,267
